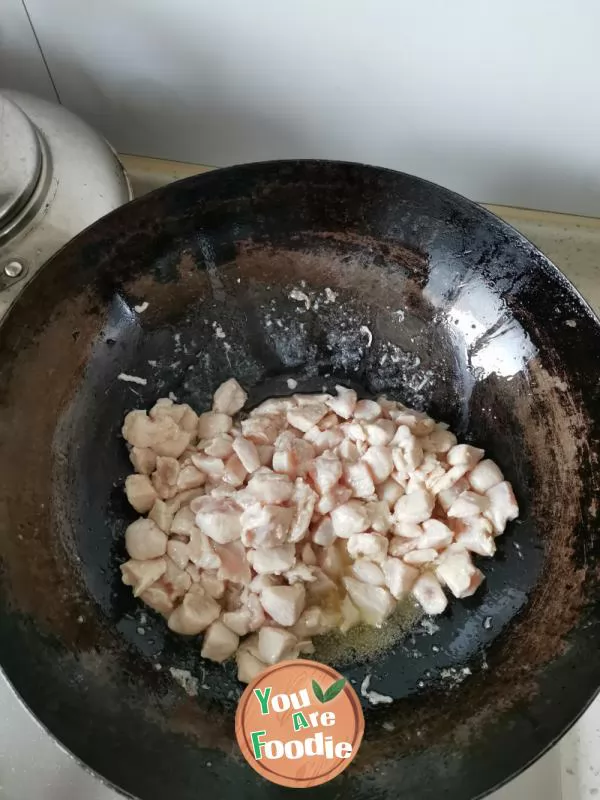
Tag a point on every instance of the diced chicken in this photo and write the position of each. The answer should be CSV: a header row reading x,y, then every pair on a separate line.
x,y
477,540
367,410
368,572
219,519
176,581
464,454
247,453
162,514
274,406
202,552
284,462
347,450
344,404
349,518
323,533
468,504
418,422
435,535
248,666
211,466
275,560
212,583
142,574
305,417
399,547
257,614
237,621
233,562
190,477
220,446
414,507
429,594
484,476
503,506
276,644
220,642
311,399
263,429
235,473
159,598
300,573
354,431
164,478
326,472
284,604
183,415
336,497
380,463
179,553
184,523
374,603
380,517
143,460
358,477
261,581
144,540
213,423
446,497
371,545
265,454
307,554
229,398
350,615
304,500
331,561
380,433
459,574
163,436
196,612
438,441
269,487
408,530
265,526
399,577
390,492
140,492
420,557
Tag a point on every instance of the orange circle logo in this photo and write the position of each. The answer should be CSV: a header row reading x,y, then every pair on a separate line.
x,y
299,723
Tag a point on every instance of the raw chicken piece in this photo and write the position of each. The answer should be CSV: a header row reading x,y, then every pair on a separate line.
x,y
446,497
202,552
354,431
435,535
190,477
212,423
374,603
261,581
257,614
344,404
219,519
390,492
438,441
211,466
276,644
304,500
248,666
220,642
371,545
368,572
164,478
358,477
312,622
247,453
468,504
464,454
143,460
184,523
399,547
229,398
420,557
323,534
272,560
268,487
307,554
263,429
475,534
380,433
265,526
408,530
484,476
183,415
274,406
380,463
233,563
140,492
459,574
305,417
429,594
220,446
336,497
179,553
300,573
284,462
331,561
142,574
162,514
145,540
503,506
380,517
212,583
367,410
163,436
323,440
235,473
283,603
326,471
399,577
414,507
349,518
195,613
348,450
237,621
265,454
159,598
311,399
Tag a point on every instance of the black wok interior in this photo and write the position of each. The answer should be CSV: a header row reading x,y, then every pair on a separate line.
x,y
438,304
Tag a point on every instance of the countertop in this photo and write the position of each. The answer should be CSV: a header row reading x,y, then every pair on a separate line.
x,y
34,767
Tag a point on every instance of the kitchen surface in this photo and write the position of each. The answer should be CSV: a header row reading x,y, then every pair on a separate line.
x,y
33,766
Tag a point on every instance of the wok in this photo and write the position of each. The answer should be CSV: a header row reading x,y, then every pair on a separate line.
x,y
437,303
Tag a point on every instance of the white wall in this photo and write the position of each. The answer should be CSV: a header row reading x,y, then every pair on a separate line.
x,y
498,100
21,63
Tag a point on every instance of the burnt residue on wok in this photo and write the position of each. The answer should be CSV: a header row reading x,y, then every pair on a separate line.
x,y
435,302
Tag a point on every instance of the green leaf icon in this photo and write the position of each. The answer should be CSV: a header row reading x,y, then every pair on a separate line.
x,y
318,692
334,690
